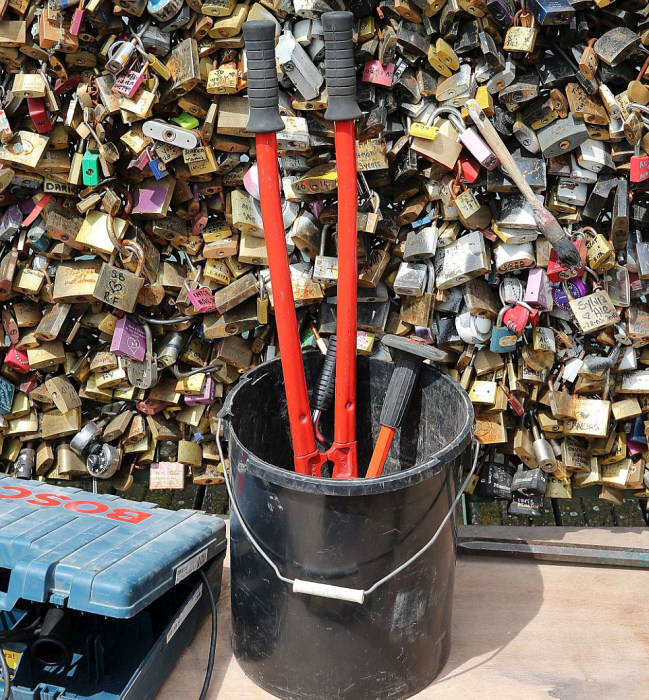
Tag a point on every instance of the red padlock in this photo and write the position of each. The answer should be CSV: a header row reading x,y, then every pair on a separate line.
x,y
63,85
150,407
517,317
557,271
39,115
30,382
199,222
376,73
639,168
17,360
468,167
10,326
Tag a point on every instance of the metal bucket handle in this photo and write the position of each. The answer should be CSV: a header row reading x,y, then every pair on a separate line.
x,y
325,590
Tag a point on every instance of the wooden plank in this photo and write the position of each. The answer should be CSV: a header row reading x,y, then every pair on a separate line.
x,y
500,641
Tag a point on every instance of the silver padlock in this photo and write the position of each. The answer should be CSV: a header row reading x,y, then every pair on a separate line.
x,y
542,449
595,156
325,267
516,213
296,65
502,79
562,136
421,244
83,440
410,279
104,462
641,256
511,291
509,257
170,133
451,302
579,174
24,464
465,258
473,329
572,192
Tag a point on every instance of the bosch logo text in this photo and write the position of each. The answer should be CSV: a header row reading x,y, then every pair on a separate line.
x,y
123,515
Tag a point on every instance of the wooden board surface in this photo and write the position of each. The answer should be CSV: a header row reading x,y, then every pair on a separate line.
x,y
520,630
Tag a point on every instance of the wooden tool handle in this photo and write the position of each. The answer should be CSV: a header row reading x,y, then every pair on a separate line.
x,y
491,136
546,222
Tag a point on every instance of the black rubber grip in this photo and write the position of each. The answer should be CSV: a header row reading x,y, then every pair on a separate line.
x,y
340,66
263,88
402,383
323,392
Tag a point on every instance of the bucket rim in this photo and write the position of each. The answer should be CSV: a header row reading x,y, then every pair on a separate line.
x,y
347,487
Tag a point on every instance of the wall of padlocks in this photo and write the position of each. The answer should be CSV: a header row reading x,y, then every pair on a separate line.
x,y
133,271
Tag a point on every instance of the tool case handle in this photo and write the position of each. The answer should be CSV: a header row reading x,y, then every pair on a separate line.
x,y
263,89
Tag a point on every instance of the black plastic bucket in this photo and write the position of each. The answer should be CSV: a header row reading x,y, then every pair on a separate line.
x,y
352,534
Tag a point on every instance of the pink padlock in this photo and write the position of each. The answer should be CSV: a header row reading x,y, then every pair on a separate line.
x,y
5,128
128,82
77,19
538,292
376,73
149,197
202,299
468,137
129,339
206,397
635,448
30,382
142,160
251,182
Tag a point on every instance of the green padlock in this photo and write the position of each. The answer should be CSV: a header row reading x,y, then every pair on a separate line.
x,y
90,168
186,121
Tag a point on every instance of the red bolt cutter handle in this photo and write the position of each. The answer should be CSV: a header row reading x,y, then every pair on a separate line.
x,y
264,121
342,109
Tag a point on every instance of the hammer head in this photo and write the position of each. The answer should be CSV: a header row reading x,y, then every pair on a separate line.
x,y
426,352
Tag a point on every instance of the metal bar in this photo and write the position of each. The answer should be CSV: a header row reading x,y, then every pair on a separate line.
x,y
563,552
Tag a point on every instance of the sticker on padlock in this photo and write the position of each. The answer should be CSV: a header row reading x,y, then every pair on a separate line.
x,y
199,296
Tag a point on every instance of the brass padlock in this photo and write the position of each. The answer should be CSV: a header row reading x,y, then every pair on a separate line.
x,y
118,287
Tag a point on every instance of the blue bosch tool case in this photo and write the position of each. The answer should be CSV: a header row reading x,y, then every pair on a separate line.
x,y
99,595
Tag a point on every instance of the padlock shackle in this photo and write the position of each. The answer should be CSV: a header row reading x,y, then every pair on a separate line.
x,y
641,108
454,116
263,89
340,67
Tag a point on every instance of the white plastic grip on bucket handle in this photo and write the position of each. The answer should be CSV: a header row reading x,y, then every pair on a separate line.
x,y
325,590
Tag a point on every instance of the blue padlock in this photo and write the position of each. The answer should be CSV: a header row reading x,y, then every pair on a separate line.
x,y
158,168
637,431
502,339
